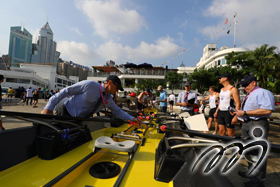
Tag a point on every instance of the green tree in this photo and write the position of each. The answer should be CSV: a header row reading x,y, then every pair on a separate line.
x,y
174,79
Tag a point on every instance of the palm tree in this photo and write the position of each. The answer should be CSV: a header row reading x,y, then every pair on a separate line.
x,y
262,63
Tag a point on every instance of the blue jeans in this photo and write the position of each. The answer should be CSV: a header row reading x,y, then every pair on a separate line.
x,y
27,99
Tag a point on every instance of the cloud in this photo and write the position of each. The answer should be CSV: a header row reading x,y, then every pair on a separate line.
x,y
109,17
77,52
257,21
184,25
163,47
76,30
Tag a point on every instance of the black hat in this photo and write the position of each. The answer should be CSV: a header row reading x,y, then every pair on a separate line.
x,y
115,79
187,83
227,75
148,90
247,79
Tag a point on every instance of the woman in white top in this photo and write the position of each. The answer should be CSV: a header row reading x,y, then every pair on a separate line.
x,y
213,102
171,101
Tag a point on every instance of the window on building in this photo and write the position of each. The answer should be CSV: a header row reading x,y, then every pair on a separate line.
x,y
59,80
223,61
219,62
64,81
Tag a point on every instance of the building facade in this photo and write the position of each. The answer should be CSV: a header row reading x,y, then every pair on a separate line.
x,y
213,57
20,46
44,51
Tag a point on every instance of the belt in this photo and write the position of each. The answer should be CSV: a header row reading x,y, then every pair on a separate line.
x,y
247,120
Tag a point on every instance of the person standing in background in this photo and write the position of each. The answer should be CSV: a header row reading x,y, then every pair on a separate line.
x,y
187,100
36,97
29,95
162,99
171,101
213,102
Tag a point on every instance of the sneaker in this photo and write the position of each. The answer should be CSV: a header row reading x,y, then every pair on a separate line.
x,y
214,132
2,129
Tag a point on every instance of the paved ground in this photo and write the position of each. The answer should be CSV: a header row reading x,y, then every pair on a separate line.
x,y
273,169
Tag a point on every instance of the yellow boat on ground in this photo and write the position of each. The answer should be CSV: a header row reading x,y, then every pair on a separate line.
x,y
127,155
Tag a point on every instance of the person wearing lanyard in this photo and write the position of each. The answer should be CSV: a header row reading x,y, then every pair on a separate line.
x,y
88,97
162,99
187,100
213,102
255,108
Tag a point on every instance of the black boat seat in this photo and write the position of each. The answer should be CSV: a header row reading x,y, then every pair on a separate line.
x,y
109,143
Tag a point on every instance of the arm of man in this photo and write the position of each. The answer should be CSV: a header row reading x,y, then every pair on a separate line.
x,y
235,95
204,99
180,101
265,102
120,113
140,97
56,98
217,97
164,97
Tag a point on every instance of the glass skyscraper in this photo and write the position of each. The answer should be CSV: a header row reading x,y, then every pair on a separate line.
x,y
20,46
44,51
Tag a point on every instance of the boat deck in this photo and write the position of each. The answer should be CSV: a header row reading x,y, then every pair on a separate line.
x,y
38,172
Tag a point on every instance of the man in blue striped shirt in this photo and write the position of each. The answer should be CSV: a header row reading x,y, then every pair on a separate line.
x,y
88,97
255,108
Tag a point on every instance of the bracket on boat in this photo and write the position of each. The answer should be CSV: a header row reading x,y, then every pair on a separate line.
x,y
109,143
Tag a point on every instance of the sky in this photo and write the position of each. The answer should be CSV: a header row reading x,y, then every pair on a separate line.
x,y
159,32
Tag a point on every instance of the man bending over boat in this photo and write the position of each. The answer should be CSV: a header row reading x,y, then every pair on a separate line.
x,y
88,97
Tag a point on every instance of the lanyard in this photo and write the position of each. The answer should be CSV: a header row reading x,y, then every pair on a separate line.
x,y
186,97
104,102
243,102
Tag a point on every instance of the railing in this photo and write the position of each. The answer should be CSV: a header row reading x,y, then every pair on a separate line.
x,y
102,74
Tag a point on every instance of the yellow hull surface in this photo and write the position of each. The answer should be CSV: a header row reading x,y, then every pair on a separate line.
x,y
38,172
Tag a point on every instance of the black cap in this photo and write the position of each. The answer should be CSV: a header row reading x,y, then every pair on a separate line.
x,y
115,79
247,79
148,90
227,75
187,83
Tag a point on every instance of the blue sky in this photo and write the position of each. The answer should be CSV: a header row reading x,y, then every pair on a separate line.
x,y
89,32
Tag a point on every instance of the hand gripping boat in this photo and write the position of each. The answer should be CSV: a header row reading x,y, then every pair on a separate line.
x,y
128,155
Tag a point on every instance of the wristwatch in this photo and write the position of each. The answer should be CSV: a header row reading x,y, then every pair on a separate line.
x,y
245,114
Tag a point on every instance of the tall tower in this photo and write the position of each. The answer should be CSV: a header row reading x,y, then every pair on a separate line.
x,y
44,51
19,46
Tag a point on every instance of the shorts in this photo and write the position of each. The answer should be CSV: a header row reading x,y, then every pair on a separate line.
x,y
171,102
224,118
212,112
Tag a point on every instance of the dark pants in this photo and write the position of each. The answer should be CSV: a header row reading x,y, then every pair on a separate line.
x,y
249,130
163,109
27,99
191,112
